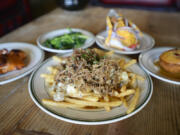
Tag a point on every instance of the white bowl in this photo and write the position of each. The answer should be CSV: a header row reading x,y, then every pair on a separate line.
x,y
35,57
41,39
38,91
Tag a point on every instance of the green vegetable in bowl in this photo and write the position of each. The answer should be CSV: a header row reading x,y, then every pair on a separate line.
x,y
66,41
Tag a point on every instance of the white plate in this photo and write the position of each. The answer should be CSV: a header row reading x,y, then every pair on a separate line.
x,y
147,61
146,43
35,57
41,39
38,91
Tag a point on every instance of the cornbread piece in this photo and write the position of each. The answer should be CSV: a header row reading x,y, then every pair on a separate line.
x,y
170,61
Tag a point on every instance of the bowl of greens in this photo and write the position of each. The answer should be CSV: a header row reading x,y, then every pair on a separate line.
x,y
65,40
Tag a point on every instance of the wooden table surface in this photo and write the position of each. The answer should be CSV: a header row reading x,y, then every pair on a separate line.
x,y
20,116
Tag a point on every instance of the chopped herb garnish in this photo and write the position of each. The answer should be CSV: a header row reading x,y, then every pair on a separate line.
x,y
90,56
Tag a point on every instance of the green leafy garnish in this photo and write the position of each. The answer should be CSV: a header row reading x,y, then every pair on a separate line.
x,y
70,40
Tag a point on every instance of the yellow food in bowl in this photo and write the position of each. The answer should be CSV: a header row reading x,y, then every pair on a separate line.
x,y
128,38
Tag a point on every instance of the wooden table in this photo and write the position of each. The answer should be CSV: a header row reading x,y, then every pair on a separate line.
x,y
20,116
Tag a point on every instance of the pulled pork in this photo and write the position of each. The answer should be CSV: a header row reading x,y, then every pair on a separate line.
x,y
88,71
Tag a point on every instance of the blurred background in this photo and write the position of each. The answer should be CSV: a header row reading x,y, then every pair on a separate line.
x,y
15,13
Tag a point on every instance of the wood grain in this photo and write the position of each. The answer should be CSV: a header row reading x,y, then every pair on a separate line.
x,y
20,116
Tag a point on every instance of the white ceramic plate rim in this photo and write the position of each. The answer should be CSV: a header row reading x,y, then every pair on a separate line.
x,y
126,52
83,122
90,43
152,73
28,70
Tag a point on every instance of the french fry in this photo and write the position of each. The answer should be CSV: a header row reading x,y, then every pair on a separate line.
x,y
58,59
45,75
114,98
129,63
107,108
84,94
123,99
53,70
123,88
140,77
109,53
121,62
126,93
48,77
106,98
60,104
99,52
91,98
94,104
51,93
115,93
103,53
134,101
133,80
108,21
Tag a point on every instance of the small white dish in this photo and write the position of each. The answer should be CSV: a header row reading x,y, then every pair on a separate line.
x,y
41,39
147,61
37,91
34,57
146,43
